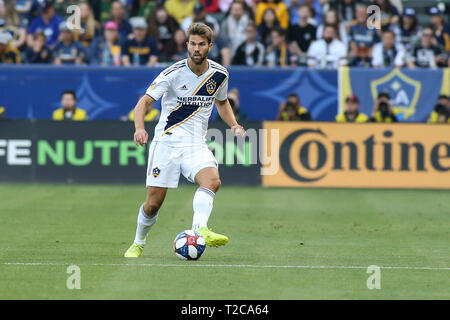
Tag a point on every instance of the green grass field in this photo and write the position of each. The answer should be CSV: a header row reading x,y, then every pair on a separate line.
x,y
284,244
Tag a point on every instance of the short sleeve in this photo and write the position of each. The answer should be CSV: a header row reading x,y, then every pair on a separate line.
x,y
158,87
223,91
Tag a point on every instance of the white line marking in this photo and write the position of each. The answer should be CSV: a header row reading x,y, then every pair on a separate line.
x,y
217,265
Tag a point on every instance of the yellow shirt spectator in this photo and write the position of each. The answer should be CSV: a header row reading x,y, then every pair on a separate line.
x,y
180,9
280,10
360,118
434,116
302,114
77,114
149,116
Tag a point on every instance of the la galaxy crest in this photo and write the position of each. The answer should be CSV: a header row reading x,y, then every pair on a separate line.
x,y
155,172
211,86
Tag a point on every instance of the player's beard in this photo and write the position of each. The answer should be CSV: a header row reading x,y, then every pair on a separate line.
x,y
198,60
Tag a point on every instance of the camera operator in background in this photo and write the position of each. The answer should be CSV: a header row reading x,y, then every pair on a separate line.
x,y
352,113
441,112
292,110
383,111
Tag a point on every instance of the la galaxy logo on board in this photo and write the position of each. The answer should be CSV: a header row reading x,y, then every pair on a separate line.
x,y
211,86
156,171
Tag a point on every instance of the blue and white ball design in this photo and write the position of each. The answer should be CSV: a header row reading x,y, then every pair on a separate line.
x,y
189,245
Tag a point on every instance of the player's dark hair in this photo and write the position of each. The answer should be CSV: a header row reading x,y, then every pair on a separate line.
x,y
200,29
71,92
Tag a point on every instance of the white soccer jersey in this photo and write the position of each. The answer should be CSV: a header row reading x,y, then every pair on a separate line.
x,y
187,101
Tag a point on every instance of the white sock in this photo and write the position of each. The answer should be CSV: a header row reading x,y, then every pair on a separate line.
x,y
144,224
203,204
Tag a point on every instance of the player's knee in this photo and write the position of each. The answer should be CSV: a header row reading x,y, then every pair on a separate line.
x,y
151,206
214,184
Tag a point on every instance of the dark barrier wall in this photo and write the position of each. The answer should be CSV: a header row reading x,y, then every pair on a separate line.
x,y
103,152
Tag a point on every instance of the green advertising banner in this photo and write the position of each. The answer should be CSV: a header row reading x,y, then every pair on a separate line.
x,y
104,152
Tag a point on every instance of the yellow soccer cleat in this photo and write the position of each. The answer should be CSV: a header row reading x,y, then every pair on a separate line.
x,y
212,239
134,251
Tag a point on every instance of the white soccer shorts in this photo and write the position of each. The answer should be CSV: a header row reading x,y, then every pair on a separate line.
x,y
165,163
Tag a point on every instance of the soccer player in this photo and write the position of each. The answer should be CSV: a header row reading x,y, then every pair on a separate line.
x,y
189,89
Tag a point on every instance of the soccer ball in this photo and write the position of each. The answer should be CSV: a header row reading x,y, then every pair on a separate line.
x,y
189,245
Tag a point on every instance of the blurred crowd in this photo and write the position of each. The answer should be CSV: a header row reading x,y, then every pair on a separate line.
x,y
313,33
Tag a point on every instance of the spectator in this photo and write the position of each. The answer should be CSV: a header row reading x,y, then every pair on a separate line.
x,y
327,52
279,8
38,52
220,50
351,113
2,112
382,111
388,53
199,15
317,7
250,52
361,39
409,29
293,7
389,14
23,8
105,10
303,33
234,26
292,110
441,111
224,5
142,49
175,50
69,110
180,9
47,22
143,8
162,27
118,16
68,51
90,28
211,6
346,9
12,23
278,52
426,54
106,50
8,54
332,17
441,29
269,23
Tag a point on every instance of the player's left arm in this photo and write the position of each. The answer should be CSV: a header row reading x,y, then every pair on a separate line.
x,y
227,115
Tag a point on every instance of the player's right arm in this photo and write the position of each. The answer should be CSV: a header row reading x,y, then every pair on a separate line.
x,y
140,135
153,93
